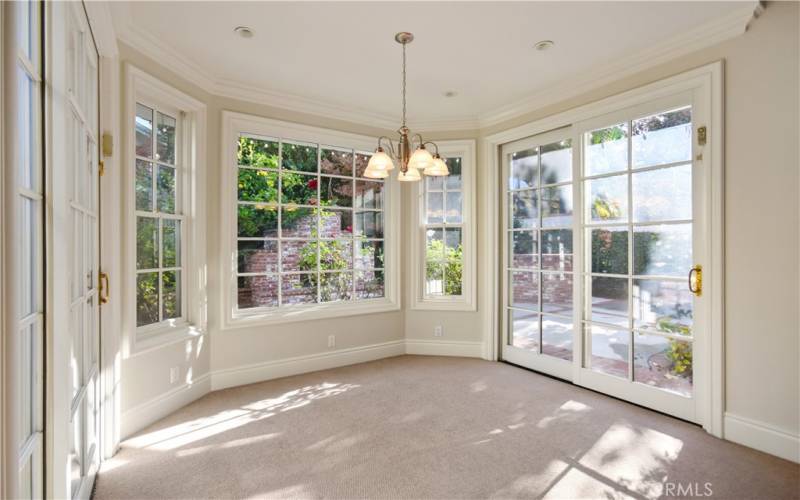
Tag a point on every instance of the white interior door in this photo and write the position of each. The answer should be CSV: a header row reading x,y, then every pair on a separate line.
x,y
610,214
76,95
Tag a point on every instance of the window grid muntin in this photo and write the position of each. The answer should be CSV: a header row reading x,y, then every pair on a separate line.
x,y
587,225
160,217
280,206
444,225
537,229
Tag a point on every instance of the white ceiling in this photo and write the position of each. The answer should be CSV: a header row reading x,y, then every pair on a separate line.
x,y
343,56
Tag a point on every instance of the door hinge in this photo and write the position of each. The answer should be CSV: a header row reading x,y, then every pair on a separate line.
x,y
701,136
101,168
102,284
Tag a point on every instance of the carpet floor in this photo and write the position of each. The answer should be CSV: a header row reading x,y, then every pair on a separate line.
x,y
432,427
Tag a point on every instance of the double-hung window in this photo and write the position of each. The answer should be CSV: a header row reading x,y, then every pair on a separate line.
x,y
444,236
164,176
310,236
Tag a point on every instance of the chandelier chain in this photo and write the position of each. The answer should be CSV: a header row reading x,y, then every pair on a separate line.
x,y
404,85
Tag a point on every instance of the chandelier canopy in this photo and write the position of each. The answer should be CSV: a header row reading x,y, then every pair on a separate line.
x,y
410,163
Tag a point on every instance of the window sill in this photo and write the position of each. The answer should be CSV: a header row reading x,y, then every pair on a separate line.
x,y
461,304
160,336
294,314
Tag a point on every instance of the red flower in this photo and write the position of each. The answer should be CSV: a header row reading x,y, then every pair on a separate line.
x,y
349,229
312,184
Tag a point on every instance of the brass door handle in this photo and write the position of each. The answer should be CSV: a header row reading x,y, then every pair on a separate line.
x,y
103,285
696,280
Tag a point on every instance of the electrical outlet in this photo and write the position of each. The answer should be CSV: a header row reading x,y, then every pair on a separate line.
x,y
437,331
174,372
331,340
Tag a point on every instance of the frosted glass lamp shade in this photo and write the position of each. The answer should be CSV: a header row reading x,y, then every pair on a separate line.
x,y
380,161
411,175
420,160
437,168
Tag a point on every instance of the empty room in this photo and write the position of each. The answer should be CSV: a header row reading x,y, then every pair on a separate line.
x,y
408,250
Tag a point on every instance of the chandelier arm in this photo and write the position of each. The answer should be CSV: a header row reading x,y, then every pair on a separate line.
x,y
435,146
419,140
389,144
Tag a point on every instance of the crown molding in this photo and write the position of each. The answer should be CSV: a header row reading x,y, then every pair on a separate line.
x,y
705,35
698,38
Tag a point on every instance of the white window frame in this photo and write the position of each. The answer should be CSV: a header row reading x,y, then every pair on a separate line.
x,y
467,301
234,124
190,136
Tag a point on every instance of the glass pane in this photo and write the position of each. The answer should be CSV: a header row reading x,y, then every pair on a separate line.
x,y
171,243
336,255
557,249
606,150
29,248
557,293
369,254
435,208
452,241
76,457
336,287
609,350
165,139
334,161
146,299
144,185
665,306
258,256
663,363
662,138
524,250
369,224
27,372
166,189
336,191
369,194
556,206
299,288
608,199
171,290
299,189
557,162
609,250
146,243
434,244
76,343
610,300
298,222
369,284
524,289
524,169
298,156
663,194
557,337
453,181
258,185
434,278
258,221
664,250
524,329
434,183
144,131
362,160
453,214
524,209
257,152
257,291
298,255
453,277
335,223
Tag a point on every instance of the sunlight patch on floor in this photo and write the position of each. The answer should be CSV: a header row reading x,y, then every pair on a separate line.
x,y
567,410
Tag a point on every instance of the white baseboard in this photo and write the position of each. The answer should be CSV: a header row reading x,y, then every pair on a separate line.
x,y
142,415
429,347
241,375
762,437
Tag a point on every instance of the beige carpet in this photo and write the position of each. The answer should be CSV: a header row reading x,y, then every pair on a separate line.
x,y
432,427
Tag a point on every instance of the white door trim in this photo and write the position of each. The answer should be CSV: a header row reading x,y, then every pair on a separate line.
x,y
707,80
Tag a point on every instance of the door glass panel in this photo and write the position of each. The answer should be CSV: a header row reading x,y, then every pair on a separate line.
x,y
524,290
663,362
524,329
609,300
664,306
557,206
557,249
606,150
662,250
609,250
524,169
609,352
557,162
664,194
607,199
557,293
524,209
524,249
557,336
662,138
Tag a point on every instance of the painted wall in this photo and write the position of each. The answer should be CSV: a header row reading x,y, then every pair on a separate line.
x,y
762,223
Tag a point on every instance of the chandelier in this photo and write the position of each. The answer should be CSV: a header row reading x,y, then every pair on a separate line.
x,y
410,164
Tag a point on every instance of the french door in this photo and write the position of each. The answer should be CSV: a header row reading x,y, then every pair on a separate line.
x,y
76,137
603,251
